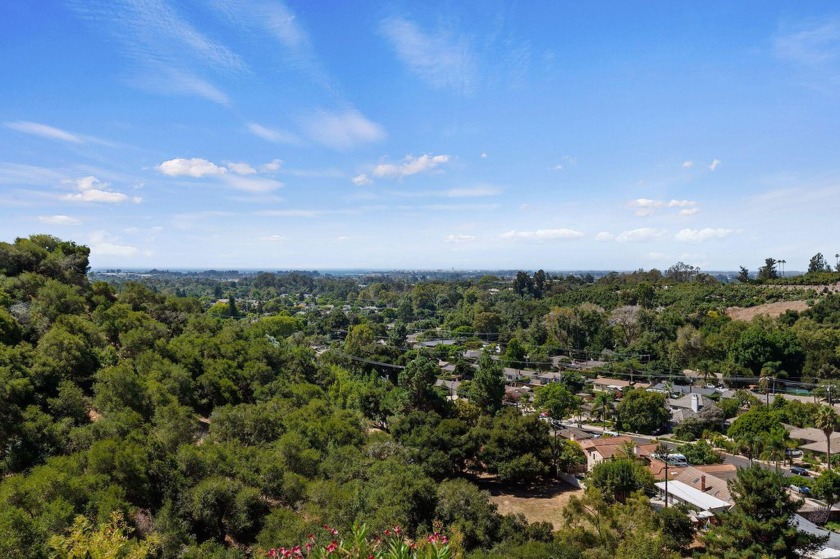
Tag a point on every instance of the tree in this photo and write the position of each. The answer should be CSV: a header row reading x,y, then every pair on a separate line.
x,y
682,272
759,525
642,412
417,380
768,271
744,275
818,264
617,479
826,421
488,385
108,541
827,487
603,406
555,399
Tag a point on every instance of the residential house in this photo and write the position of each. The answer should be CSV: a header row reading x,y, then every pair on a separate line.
x,y
599,450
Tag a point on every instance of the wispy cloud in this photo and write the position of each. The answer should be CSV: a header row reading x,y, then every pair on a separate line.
x,y
91,189
459,238
646,206
251,184
361,180
342,130
103,244
604,236
442,60
241,168
272,134
687,164
410,166
643,234
166,50
44,131
58,220
702,235
812,45
714,164
543,235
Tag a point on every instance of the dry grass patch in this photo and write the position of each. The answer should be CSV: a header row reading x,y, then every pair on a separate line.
x,y
543,502
769,309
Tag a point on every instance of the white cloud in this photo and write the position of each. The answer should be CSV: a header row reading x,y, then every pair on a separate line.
x,y
689,211
44,131
342,130
484,155
604,236
714,164
543,234
101,244
647,206
275,238
558,167
272,166
58,220
241,168
701,235
457,238
410,166
342,238
91,189
272,135
643,234
687,164
194,167
361,180
441,60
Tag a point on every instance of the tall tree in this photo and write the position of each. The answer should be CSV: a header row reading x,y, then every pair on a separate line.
x,y
759,525
818,264
488,385
768,271
826,421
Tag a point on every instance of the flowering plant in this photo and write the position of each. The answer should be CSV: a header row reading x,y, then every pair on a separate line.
x,y
362,545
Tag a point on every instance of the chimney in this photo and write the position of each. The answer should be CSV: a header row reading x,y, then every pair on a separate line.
x,y
695,403
702,483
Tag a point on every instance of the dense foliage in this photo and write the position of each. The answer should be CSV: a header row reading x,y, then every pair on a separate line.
x,y
225,414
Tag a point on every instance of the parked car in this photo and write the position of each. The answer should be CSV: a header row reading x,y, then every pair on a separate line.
x,y
793,452
800,471
802,489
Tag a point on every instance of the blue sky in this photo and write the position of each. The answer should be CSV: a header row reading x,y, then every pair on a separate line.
x,y
467,135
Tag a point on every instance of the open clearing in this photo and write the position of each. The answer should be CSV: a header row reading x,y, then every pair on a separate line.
x,y
542,503
768,309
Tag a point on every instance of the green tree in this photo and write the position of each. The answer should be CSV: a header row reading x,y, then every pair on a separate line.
x,y
555,399
759,525
617,479
817,263
108,541
768,271
488,385
642,412
826,421
827,487
416,381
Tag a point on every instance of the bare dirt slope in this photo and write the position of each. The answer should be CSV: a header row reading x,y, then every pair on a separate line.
x,y
768,309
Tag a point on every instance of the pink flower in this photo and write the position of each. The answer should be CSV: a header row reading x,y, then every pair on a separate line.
x,y
397,530
332,547
387,532
311,536
272,553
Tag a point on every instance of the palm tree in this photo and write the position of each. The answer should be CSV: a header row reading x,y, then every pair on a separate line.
x,y
603,406
826,421
662,452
